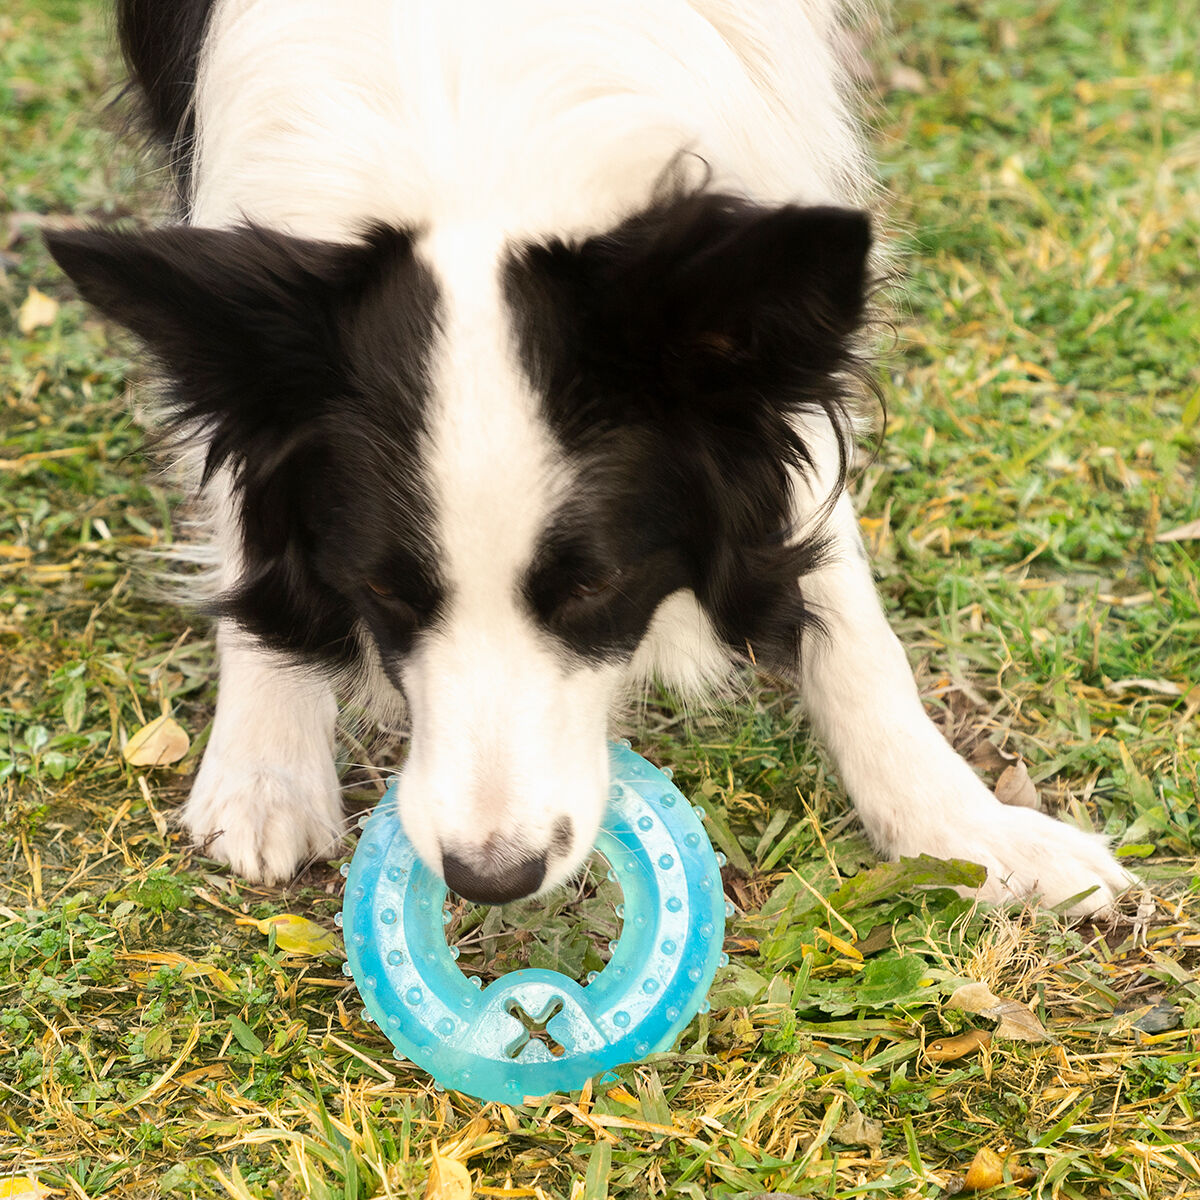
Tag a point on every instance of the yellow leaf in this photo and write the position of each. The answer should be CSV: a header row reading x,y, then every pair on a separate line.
x,y
295,935
168,958
22,1187
158,744
950,1049
987,1171
448,1178
36,311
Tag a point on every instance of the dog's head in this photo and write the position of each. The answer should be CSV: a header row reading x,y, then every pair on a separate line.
x,y
496,469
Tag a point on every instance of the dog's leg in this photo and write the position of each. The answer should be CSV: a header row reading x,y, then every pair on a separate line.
x,y
266,798
915,795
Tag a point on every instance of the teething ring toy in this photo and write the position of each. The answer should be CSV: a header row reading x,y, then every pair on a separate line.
x,y
473,1038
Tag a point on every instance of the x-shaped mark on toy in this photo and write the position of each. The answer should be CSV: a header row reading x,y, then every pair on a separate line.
x,y
534,1027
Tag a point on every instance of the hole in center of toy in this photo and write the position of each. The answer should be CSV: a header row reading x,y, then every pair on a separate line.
x,y
571,931
535,1028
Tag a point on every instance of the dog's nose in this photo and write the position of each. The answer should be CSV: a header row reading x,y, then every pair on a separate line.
x,y
493,885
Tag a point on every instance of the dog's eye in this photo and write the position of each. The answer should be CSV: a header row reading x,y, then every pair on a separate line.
x,y
396,604
596,586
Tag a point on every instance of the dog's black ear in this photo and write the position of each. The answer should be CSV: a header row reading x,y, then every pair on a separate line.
x,y
244,320
743,265
730,294
706,293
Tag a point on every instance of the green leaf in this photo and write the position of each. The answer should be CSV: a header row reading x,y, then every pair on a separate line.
x,y
1138,850
1191,410
595,1183
157,1042
54,763
736,986
884,881
890,978
74,705
246,1037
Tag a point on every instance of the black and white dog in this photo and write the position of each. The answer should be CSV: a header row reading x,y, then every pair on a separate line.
x,y
517,346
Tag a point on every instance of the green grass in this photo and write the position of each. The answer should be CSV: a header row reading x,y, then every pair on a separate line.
x,y
1044,404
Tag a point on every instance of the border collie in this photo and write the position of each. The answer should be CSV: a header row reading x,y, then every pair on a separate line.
x,y
519,347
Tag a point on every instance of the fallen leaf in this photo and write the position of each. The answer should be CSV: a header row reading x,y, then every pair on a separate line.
x,y
1015,788
1160,687
22,1187
906,79
1015,1021
191,969
857,1130
989,757
973,998
1158,1018
880,938
1181,533
295,935
987,1171
950,1049
158,744
37,310
448,1178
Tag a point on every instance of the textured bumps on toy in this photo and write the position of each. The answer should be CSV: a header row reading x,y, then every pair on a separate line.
x,y
472,1038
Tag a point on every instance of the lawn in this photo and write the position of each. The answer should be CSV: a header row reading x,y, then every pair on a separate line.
x,y
1033,515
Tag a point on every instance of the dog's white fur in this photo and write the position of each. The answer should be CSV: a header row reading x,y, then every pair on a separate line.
x,y
476,123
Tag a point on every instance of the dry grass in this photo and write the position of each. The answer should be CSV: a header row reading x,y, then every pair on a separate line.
x,y
1042,435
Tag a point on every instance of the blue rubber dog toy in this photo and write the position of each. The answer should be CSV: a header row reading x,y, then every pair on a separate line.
x,y
471,1038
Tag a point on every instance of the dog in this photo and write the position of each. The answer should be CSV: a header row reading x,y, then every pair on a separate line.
x,y
519,350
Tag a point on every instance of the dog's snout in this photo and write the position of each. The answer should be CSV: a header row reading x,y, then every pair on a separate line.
x,y
497,883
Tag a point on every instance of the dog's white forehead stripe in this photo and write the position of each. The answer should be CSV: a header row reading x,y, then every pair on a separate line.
x,y
495,473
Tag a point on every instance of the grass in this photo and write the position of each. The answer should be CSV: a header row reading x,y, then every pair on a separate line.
x,y
1044,402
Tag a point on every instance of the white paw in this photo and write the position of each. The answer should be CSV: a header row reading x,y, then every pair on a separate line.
x,y
265,822
1028,854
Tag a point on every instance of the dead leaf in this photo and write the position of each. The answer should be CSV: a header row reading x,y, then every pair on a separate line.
x,y
973,998
987,756
950,1049
295,935
1181,533
857,1130
1157,1018
158,744
191,969
1015,1021
1160,687
22,1187
987,1171
37,311
1015,788
906,79
448,1178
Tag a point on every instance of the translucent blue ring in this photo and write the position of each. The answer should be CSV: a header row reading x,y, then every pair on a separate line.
x,y
470,1039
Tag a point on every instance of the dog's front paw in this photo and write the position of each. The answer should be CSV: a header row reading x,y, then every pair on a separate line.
x,y
1027,853
265,822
